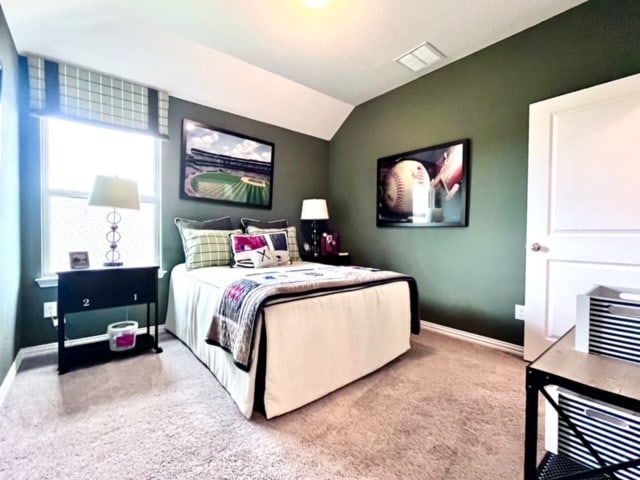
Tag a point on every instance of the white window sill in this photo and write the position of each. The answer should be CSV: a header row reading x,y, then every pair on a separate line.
x,y
52,281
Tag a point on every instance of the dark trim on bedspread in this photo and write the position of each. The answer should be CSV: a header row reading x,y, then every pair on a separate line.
x,y
261,373
289,297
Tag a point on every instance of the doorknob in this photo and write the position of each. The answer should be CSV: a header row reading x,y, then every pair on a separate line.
x,y
535,247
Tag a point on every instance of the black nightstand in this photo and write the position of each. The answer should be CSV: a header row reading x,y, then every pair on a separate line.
x,y
328,259
81,290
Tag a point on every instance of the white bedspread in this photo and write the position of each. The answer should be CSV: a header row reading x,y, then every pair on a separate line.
x,y
314,345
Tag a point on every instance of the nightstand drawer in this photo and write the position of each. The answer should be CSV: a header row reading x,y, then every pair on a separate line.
x,y
94,289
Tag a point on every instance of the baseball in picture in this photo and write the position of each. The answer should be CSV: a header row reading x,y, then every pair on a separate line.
x,y
222,166
425,187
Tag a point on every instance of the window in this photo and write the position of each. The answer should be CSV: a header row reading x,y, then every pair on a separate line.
x,y
72,155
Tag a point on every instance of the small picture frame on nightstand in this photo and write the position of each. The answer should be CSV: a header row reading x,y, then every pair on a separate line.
x,y
78,260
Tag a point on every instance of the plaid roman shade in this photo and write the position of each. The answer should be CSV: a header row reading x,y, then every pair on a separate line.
x,y
64,90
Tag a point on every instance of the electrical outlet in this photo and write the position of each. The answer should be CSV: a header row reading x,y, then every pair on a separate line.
x,y
519,312
50,309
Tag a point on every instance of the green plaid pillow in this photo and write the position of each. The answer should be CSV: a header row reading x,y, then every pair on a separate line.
x,y
222,223
294,251
207,248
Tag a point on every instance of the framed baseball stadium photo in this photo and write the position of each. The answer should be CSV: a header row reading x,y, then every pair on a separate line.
x,y
427,187
222,166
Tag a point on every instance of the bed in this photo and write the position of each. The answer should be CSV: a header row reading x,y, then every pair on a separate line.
x,y
306,344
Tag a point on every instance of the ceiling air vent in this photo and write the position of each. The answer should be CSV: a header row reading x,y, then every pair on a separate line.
x,y
422,56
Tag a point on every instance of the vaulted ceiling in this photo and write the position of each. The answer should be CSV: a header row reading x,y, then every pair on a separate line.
x,y
277,61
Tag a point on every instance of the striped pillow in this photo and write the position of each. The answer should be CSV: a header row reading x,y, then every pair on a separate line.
x,y
207,248
294,251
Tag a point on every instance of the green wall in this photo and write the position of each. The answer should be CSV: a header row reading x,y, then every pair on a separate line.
x,y
300,170
470,278
9,200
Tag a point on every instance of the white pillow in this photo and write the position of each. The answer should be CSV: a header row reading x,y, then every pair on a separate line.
x,y
294,251
242,246
263,258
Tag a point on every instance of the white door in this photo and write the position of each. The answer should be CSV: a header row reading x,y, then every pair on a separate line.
x,y
583,203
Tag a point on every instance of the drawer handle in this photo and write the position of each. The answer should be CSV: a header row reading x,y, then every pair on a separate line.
x,y
603,417
86,302
629,311
630,296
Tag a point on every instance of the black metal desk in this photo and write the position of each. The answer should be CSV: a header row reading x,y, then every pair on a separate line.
x,y
601,378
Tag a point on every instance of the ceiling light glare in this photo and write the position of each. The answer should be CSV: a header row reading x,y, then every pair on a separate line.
x,y
316,3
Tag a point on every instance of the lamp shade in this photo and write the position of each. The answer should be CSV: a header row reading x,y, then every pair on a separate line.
x,y
314,209
114,192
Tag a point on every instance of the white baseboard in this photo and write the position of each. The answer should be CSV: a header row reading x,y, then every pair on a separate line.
x,y
36,350
474,338
10,376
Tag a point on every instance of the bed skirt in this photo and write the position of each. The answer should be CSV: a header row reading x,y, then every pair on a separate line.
x,y
310,346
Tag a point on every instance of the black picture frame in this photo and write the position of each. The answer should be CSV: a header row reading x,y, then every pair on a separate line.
x,y
218,165
427,187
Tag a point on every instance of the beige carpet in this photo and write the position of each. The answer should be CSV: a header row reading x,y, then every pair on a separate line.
x,y
446,410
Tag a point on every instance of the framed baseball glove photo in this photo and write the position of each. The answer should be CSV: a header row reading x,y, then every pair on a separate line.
x,y
424,188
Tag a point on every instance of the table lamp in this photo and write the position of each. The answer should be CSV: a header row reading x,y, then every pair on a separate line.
x,y
114,192
314,209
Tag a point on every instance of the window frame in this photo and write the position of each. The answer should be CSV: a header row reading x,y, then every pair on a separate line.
x,y
50,279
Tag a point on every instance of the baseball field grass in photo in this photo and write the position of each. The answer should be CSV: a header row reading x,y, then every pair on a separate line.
x,y
231,187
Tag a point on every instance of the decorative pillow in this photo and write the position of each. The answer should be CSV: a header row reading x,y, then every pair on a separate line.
x,y
207,248
263,258
252,222
294,251
222,223
243,246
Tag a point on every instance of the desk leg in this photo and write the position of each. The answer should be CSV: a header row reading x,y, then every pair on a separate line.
x,y
531,427
155,340
62,360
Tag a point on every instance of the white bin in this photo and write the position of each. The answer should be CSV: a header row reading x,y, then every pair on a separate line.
x,y
608,322
122,335
614,432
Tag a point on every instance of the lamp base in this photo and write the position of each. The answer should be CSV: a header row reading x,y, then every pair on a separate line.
x,y
112,264
113,237
314,238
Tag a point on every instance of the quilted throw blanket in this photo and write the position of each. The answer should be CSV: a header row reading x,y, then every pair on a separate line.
x,y
240,306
